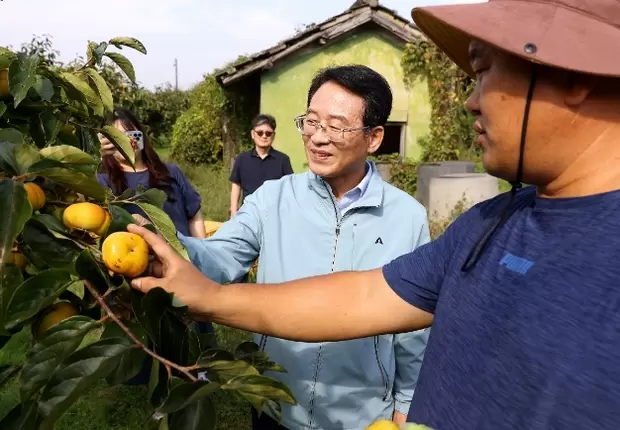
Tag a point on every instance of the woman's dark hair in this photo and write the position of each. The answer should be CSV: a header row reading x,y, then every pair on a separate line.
x,y
159,176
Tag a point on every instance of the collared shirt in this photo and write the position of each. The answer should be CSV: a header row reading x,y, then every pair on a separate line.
x,y
351,196
250,170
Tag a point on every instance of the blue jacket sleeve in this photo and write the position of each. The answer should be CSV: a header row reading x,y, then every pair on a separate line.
x,y
409,349
229,254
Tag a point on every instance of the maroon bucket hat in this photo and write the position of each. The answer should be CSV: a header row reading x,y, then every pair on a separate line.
x,y
576,35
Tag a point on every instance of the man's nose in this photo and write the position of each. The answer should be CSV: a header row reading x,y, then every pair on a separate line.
x,y
319,138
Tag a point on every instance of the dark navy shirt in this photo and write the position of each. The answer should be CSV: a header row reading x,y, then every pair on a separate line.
x,y
530,337
183,200
250,171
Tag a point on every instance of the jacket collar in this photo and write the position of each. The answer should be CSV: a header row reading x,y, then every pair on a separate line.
x,y
372,196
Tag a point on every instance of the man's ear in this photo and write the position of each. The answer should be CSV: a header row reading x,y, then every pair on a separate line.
x,y
578,88
376,139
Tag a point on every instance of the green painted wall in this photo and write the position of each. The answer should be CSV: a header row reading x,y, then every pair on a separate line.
x,y
284,89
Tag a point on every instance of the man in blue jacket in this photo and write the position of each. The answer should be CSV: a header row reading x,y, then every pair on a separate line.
x,y
339,215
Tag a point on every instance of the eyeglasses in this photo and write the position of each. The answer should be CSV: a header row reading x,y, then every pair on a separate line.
x,y
265,132
308,127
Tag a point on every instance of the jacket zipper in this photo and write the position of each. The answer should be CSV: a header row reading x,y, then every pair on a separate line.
x,y
384,373
320,350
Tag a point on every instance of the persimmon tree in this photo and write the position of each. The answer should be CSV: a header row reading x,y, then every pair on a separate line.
x,y
53,280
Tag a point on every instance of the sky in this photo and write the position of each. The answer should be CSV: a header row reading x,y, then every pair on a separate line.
x,y
201,34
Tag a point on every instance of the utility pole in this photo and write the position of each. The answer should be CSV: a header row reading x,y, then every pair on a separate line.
x,y
176,74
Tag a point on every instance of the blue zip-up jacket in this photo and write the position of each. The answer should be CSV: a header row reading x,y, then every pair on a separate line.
x,y
294,228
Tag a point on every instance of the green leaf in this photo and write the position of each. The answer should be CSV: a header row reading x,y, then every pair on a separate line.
x,y
11,135
224,371
68,177
36,131
52,122
185,394
121,142
43,248
67,154
51,222
2,108
87,268
24,416
80,85
166,227
15,210
123,63
120,219
58,342
260,385
102,88
149,310
22,76
130,362
10,278
35,294
153,196
6,56
44,88
7,373
200,415
25,156
81,369
131,42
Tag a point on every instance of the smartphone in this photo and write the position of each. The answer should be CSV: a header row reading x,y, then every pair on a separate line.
x,y
136,138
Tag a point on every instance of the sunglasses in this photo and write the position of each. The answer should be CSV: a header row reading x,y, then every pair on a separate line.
x,y
260,133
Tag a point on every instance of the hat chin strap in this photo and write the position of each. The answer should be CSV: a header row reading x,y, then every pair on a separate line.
x,y
485,238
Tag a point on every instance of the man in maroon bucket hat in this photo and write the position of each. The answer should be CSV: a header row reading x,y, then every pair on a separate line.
x,y
523,290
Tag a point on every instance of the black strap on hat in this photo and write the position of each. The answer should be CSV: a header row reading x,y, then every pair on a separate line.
x,y
485,238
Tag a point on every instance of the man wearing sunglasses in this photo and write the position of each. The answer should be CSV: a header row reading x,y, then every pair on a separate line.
x,y
258,165
337,216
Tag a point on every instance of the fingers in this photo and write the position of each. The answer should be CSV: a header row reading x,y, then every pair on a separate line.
x,y
157,243
140,220
145,284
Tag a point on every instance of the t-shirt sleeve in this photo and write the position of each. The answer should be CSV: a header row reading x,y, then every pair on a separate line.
x,y
287,169
102,178
235,175
417,276
191,199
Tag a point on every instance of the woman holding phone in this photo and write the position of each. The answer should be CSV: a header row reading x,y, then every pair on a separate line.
x,y
184,202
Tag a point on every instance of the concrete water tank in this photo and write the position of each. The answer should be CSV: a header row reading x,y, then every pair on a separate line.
x,y
446,191
427,171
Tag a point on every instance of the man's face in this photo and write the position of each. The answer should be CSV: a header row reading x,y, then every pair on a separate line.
x,y
498,101
334,153
263,135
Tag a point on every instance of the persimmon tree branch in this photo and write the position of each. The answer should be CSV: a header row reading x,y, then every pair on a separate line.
x,y
167,363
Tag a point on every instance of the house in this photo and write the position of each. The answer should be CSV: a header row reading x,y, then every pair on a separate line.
x,y
277,79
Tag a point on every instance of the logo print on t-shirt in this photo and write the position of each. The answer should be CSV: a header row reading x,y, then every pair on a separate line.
x,y
378,241
516,264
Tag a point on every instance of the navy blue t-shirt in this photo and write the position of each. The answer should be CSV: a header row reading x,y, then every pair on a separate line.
x,y
183,200
530,337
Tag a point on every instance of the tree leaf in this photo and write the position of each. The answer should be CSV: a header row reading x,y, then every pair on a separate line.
x,y
6,56
68,177
24,416
149,310
87,267
183,395
35,294
120,219
11,135
261,385
43,248
2,108
22,76
44,88
124,64
200,415
130,362
131,42
58,342
102,88
121,142
67,154
153,196
7,373
164,224
224,370
25,156
16,210
81,369
51,222
52,122
80,85
10,278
